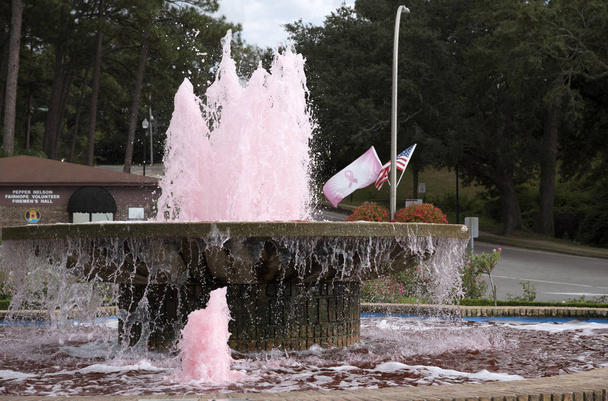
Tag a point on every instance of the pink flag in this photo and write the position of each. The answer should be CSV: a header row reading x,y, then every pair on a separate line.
x,y
359,174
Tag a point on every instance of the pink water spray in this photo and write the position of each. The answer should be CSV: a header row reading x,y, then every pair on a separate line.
x,y
243,153
240,155
204,346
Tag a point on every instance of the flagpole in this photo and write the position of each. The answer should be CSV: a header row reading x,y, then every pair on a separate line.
x,y
393,172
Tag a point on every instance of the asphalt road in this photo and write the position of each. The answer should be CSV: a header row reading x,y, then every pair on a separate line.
x,y
557,277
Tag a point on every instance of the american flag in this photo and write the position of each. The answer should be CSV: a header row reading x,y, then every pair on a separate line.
x,y
403,159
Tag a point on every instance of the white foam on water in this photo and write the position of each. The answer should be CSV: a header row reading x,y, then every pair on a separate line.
x,y
13,375
433,372
586,328
141,366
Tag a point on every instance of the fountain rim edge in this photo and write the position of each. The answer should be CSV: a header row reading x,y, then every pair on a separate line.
x,y
269,229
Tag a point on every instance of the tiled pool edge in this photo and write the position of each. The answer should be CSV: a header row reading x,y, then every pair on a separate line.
x,y
488,311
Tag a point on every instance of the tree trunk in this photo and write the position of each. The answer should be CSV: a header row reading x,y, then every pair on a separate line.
x,y
511,212
3,73
95,89
548,164
78,113
28,128
66,80
136,99
10,110
53,117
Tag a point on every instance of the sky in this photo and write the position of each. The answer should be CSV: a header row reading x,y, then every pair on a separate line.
x,y
263,20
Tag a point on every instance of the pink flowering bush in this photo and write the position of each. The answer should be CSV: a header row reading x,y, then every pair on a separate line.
x,y
369,211
382,289
6,287
6,292
421,213
408,284
473,286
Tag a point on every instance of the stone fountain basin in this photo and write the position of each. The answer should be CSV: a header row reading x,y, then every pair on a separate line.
x,y
238,252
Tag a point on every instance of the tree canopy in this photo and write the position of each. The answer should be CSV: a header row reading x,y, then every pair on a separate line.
x,y
132,53
509,91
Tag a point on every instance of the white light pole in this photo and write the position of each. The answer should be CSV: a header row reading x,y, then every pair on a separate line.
x,y
393,172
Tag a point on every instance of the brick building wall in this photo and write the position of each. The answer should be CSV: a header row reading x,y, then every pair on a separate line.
x,y
15,215
46,189
56,210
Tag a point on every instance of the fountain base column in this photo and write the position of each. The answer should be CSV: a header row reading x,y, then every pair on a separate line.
x,y
293,316
152,315
285,316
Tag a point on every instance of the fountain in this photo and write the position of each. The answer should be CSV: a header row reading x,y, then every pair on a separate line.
x,y
292,284
234,197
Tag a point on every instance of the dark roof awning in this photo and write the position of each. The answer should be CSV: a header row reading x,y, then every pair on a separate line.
x,y
92,200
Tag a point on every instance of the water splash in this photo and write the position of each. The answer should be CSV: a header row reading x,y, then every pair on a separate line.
x,y
242,154
204,347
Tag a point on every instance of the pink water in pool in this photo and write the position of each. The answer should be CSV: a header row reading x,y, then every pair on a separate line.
x,y
393,352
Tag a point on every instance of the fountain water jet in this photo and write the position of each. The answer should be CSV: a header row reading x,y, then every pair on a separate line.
x,y
204,347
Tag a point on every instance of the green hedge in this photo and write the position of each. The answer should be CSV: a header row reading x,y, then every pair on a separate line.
x,y
4,303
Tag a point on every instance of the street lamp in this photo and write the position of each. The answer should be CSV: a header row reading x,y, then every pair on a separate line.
x,y
393,172
145,125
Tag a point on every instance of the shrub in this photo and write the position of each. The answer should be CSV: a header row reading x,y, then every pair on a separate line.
x,y
466,205
407,285
473,286
529,294
382,289
421,213
485,263
369,211
593,230
6,287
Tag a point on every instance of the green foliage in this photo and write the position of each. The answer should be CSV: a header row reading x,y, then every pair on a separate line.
x,y
58,41
529,294
473,285
594,228
6,287
369,211
383,289
421,213
484,263
602,299
467,205
405,286
6,292
491,70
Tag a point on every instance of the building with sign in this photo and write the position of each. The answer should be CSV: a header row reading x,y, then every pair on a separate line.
x,y
42,191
